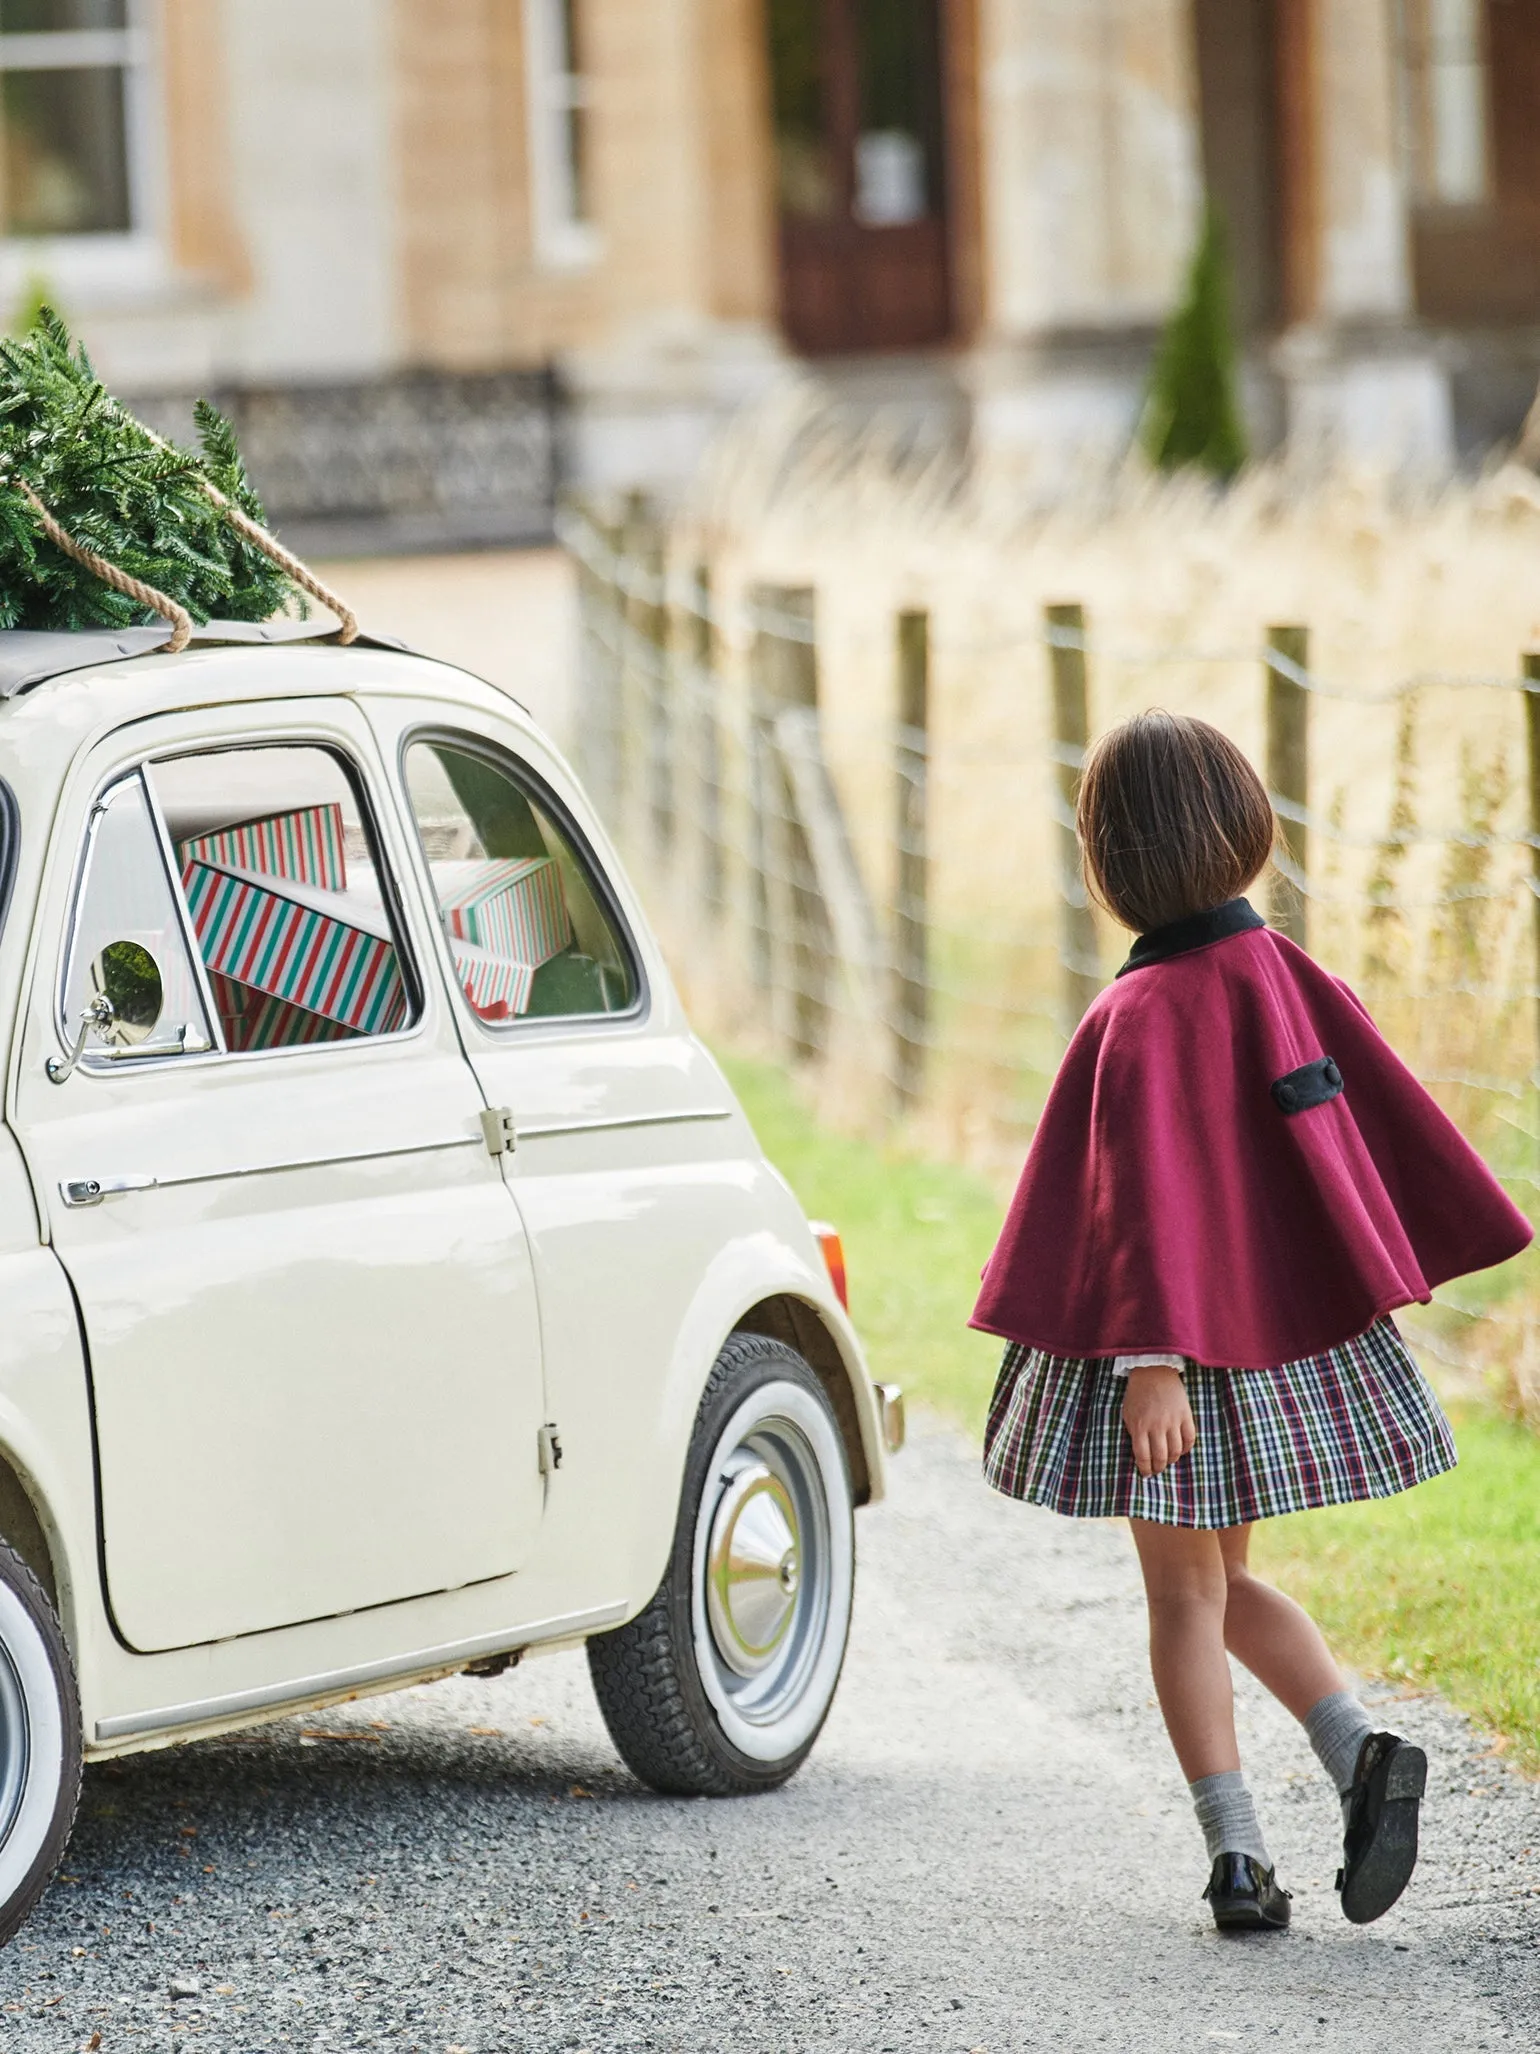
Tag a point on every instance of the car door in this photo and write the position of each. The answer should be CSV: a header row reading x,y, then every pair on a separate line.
x,y
632,1165
306,1292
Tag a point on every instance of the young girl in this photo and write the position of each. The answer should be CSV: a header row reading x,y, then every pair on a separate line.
x,y
1233,1185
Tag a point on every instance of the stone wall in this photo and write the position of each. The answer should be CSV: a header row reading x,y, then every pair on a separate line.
x,y
341,193
676,301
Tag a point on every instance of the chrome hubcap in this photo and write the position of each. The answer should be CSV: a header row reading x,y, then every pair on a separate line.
x,y
772,1561
772,1568
754,1568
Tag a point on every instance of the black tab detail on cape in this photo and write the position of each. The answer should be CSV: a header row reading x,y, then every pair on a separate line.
x,y
1312,1084
1235,916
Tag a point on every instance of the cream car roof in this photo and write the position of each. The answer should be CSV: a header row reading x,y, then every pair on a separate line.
x,y
43,730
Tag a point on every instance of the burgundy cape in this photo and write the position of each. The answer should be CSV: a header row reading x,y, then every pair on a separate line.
x,y
1174,1199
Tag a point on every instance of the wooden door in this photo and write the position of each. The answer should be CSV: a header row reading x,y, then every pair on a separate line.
x,y
860,161
1477,260
1513,60
1257,99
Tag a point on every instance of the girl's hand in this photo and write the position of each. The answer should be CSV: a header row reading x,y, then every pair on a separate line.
x,y
1157,1419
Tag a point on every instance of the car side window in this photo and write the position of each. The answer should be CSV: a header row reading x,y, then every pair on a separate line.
x,y
285,895
128,927
528,925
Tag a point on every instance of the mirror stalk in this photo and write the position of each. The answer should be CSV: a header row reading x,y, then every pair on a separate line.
x,y
97,1017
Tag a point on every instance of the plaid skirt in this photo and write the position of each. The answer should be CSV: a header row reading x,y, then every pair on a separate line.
x,y
1356,1422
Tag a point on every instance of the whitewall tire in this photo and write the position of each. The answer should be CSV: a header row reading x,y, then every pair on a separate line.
x,y
721,1686
39,1742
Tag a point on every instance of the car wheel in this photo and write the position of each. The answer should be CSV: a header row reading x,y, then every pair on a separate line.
x,y
39,1742
721,1685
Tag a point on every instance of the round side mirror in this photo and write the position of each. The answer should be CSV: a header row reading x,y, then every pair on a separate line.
x,y
128,977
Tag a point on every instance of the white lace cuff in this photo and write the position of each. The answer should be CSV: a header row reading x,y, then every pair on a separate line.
x,y
1122,1364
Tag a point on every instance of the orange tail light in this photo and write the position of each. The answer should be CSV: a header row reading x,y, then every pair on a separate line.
x,y
834,1259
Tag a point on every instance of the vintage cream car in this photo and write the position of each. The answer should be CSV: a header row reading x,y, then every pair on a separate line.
x,y
391,1282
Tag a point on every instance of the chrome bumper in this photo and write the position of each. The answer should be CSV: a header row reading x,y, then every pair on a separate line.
x,y
890,1409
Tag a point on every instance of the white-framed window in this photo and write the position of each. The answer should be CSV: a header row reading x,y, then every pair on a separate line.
x,y
1445,101
73,91
556,98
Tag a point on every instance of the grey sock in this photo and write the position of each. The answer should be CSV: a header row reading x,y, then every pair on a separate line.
x,y
1336,1728
1228,1817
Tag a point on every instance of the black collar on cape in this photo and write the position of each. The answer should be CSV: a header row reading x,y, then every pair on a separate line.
x,y
1235,916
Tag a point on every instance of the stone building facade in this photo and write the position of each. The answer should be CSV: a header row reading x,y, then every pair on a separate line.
x,y
440,239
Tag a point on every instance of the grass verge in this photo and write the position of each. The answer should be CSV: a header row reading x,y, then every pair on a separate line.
x,y
916,1235
1438,1588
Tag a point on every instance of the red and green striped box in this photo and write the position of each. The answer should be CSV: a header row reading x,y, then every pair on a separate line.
x,y
304,844
335,959
496,986
252,1020
514,907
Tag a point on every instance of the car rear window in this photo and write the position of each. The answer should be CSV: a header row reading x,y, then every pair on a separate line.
x,y
530,924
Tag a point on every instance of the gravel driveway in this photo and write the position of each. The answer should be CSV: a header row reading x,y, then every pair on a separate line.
x,y
991,1849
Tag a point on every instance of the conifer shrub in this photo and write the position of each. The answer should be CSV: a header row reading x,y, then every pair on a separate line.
x,y
1192,414
111,485
34,301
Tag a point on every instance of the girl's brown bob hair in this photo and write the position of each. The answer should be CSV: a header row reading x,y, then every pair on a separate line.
x,y
1172,819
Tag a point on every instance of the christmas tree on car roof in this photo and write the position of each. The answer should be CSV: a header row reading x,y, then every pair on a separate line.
x,y
103,524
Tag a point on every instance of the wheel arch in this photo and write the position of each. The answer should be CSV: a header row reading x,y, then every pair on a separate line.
x,y
785,1317
761,1282
22,1528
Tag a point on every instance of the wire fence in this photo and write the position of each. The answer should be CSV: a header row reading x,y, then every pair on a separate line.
x,y
864,862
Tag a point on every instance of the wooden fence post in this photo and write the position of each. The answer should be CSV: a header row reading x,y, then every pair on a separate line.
x,y
600,627
644,670
704,685
1530,665
1288,769
792,952
1071,731
761,768
911,964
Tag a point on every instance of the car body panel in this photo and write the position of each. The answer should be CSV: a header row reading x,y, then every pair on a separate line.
x,y
691,1231
314,1342
45,1426
633,1168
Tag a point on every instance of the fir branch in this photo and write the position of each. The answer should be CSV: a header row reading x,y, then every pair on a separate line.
x,y
108,481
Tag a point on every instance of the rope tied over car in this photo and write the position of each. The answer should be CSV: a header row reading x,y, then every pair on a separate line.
x,y
160,602
109,573
253,532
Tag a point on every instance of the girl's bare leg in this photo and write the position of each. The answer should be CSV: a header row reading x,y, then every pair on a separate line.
x,y
1186,1589
1277,1640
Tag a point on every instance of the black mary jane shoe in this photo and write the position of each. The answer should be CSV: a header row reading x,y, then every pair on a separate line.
x,y
1245,1897
1379,1846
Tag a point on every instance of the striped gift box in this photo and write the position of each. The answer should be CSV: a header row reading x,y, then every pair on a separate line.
x,y
497,986
311,948
304,844
251,1019
515,907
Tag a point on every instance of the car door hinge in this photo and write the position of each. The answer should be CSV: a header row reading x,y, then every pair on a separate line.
x,y
550,1450
501,1134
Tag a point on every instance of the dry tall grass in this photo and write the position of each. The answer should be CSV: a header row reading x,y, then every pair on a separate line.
x,y
1419,603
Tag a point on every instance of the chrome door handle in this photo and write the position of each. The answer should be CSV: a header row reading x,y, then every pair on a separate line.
x,y
79,1191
